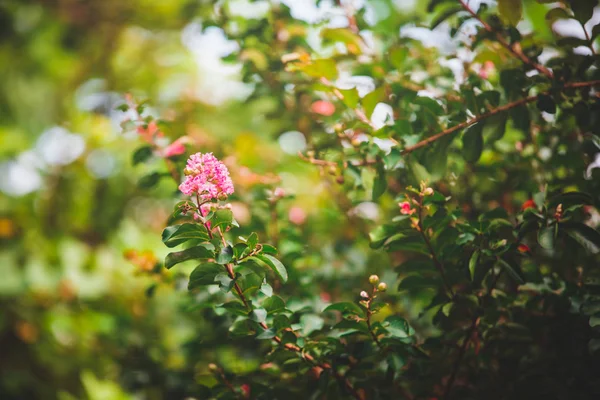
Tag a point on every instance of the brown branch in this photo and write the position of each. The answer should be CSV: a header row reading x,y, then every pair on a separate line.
x,y
490,113
514,49
290,346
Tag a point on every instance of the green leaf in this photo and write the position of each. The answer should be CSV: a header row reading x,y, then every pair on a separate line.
x,y
274,304
177,234
511,10
324,68
398,327
350,98
234,307
571,199
221,217
225,255
595,32
473,142
398,57
511,271
444,15
380,182
370,100
204,274
546,237
345,308
268,249
556,14
587,237
311,323
198,253
583,9
274,264
141,154
473,261
495,127
341,35
149,181
266,289
546,103
258,315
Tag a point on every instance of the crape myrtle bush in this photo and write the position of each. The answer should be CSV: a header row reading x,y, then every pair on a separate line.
x,y
487,185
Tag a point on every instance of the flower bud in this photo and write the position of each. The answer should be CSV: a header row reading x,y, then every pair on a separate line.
x,y
340,179
364,295
188,171
382,287
213,367
428,191
373,279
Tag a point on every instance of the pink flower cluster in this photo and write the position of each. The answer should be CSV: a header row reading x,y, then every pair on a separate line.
x,y
206,176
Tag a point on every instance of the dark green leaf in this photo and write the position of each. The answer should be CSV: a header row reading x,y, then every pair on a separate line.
x,y
225,255
204,274
345,308
511,10
274,304
258,315
587,237
473,142
274,264
512,272
444,15
221,217
150,180
473,261
380,182
177,234
193,253
141,154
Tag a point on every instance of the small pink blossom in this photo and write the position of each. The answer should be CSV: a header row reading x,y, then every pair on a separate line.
x,y
206,176
278,192
323,107
148,133
174,149
486,70
364,295
297,215
405,208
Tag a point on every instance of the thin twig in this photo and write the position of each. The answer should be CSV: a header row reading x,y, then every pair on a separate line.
x,y
438,264
514,49
290,346
461,354
368,320
490,113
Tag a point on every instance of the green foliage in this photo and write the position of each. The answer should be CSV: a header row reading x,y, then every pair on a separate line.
x,y
436,237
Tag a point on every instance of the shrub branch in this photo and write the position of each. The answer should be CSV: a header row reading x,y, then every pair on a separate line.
x,y
514,49
490,113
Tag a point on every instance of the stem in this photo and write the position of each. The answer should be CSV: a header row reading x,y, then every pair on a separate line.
x,y
289,346
438,264
461,354
587,37
490,113
468,336
515,50
368,320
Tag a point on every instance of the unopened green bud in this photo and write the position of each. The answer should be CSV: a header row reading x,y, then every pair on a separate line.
x,y
213,367
382,287
373,279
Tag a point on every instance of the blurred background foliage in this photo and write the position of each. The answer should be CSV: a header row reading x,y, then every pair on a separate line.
x,y
84,312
